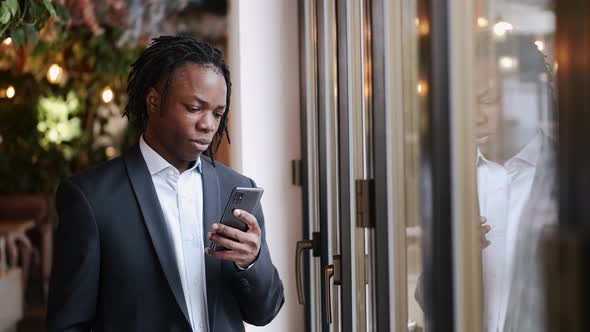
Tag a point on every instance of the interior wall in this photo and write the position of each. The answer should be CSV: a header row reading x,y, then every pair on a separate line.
x,y
265,126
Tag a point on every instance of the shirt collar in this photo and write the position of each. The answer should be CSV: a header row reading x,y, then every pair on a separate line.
x,y
156,163
529,154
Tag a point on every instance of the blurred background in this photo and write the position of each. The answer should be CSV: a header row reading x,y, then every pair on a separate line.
x,y
424,162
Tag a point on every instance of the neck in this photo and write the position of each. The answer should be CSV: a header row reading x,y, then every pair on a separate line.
x,y
156,145
500,153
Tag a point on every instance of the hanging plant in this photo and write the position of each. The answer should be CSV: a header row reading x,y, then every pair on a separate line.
x,y
21,21
63,71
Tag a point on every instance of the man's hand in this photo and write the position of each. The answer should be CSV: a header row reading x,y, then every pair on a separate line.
x,y
485,229
244,247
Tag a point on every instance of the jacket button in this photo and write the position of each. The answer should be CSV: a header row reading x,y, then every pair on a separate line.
x,y
244,283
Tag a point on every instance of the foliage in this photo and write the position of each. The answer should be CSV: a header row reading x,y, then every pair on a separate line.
x,y
23,20
49,131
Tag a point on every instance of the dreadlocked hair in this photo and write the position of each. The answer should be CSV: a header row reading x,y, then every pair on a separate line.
x,y
159,61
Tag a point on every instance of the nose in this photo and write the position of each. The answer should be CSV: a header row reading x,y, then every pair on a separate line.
x,y
482,115
207,122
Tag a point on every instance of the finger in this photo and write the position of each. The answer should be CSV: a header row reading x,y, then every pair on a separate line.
x,y
486,243
483,220
229,244
249,219
251,239
234,233
228,255
486,229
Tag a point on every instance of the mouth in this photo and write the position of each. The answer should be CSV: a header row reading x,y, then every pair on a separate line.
x,y
482,135
200,144
482,131
482,140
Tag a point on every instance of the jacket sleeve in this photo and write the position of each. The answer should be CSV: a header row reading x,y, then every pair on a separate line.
x,y
74,279
259,290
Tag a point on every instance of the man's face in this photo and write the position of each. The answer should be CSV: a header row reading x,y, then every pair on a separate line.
x,y
508,111
489,109
190,115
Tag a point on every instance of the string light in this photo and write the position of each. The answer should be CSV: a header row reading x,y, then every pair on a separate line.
x,y
54,74
7,41
482,22
422,88
508,63
423,27
10,92
501,28
107,95
540,45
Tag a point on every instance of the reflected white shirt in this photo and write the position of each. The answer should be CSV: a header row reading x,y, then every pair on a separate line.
x,y
181,199
503,191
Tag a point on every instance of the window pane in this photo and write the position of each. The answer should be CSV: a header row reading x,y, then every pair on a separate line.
x,y
515,135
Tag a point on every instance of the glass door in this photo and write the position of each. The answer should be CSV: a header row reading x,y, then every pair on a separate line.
x,y
504,126
337,59
308,258
433,159
516,129
319,269
357,179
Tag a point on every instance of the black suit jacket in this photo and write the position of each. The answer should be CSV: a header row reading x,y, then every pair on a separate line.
x,y
115,267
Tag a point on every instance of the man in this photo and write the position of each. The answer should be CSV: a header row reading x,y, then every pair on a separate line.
x,y
513,170
130,249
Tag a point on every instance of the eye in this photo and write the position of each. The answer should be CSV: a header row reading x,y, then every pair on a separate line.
x,y
192,109
488,99
218,115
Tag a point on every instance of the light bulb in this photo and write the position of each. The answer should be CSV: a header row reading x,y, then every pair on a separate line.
x,y
10,92
54,73
107,95
501,28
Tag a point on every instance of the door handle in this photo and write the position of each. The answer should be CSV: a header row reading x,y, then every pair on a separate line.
x,y
301,246
331,271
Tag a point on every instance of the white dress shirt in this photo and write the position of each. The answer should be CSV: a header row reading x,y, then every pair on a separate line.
x,y
181,199
503,191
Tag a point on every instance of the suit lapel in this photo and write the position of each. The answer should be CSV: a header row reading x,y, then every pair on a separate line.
x,y
545,167
211,214
156,225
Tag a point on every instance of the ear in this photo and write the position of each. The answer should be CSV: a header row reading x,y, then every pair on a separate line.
x,y
152,101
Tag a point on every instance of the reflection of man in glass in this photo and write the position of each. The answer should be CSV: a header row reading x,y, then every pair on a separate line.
x,y
514,103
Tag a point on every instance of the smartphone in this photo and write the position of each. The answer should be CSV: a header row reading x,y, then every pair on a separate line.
x,y
246,199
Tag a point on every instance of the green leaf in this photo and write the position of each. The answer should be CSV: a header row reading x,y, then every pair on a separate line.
x,y
49,6
35,10
4,13
18,37
61,12
32,33
12,6
41,49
